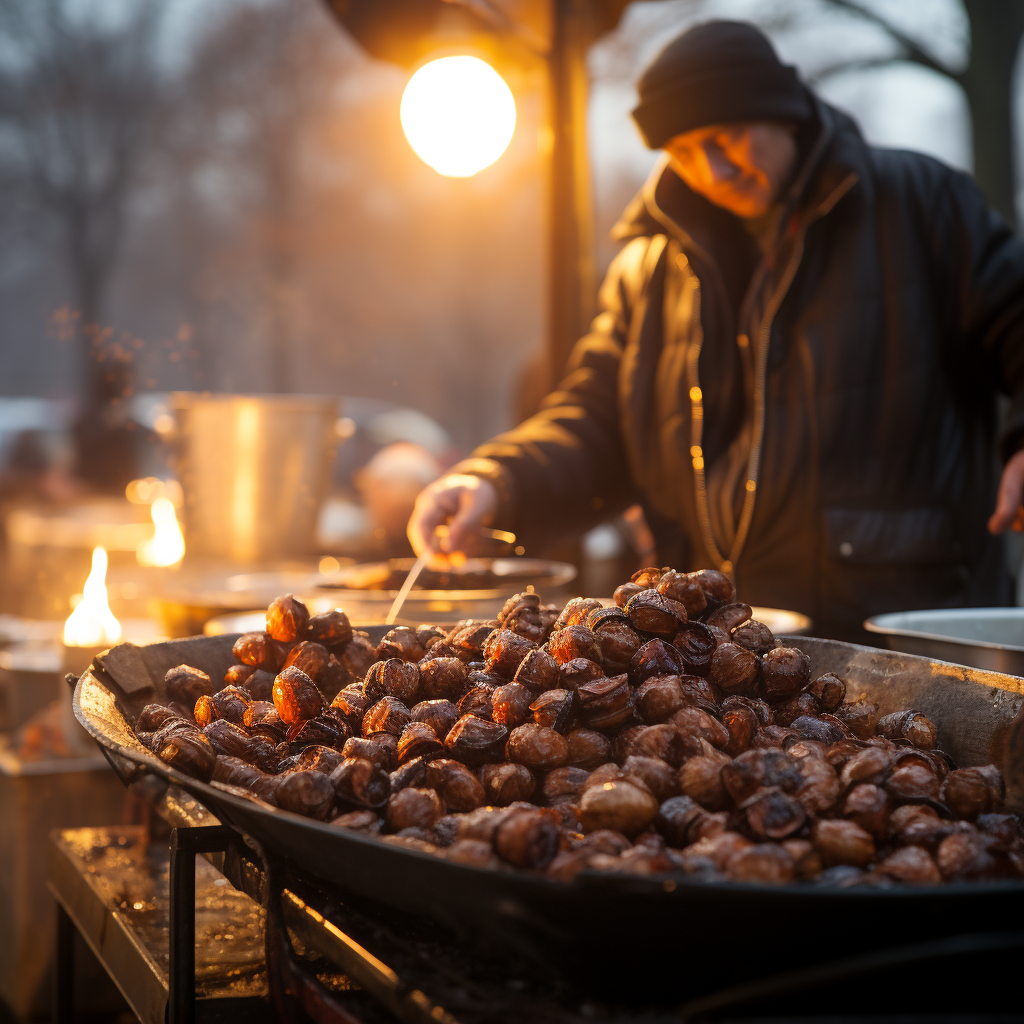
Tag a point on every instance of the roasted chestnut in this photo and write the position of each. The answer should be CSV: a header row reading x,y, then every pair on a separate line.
x,y
860,717
625,591
418,740
658,697
443,678
359,783
701,779
868,806
381,749
504,652
538,747
577,672
388,715
830,691
331,628
189,751
665,742
754,636
718,588
733,669
527,839
554,708
402,643
538,671
742,725
771,813
573,642
510,705
785,671
187,684
588,748
605,703
478,701
296,696
393,678
692,721
911,865
911,726
842,842
238,675
729,616
310,657
287,618
968,792
440,715
413,808
657,775
475,740
684,589
506,783
625,806
460,789
655,658
652,613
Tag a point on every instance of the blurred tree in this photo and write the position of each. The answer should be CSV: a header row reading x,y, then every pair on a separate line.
x,y
997,27
80,97
256,91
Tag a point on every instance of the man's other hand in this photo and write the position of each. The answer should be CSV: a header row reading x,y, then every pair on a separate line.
x,y
1008,504
460,502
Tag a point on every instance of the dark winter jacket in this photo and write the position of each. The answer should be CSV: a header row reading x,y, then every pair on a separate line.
x,y
860,378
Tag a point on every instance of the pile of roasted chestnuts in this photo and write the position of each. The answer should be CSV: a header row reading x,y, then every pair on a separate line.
x,y
670,733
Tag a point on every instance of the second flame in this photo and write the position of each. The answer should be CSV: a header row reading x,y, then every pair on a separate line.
x,y
167,545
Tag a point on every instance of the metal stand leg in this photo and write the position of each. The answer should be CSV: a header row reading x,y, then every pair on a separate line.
x,y
185,844
64,970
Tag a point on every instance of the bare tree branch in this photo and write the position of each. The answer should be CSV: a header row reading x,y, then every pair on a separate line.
x,y
913,51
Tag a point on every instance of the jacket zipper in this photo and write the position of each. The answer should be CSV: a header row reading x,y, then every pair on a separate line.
x,y
727,564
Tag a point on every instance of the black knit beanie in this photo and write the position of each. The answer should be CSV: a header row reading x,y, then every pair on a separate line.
x,y
716,73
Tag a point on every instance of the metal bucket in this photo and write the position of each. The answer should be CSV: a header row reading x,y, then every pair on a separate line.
x,y
254,470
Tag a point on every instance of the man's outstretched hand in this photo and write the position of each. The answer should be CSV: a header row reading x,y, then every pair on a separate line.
x,y
459,501
1009,511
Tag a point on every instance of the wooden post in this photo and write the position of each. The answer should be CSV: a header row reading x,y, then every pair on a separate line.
x,y
571,280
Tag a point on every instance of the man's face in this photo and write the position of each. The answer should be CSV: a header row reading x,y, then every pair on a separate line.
x,y
740,167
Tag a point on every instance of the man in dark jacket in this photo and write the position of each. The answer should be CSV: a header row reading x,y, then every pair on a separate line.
x,y
795,364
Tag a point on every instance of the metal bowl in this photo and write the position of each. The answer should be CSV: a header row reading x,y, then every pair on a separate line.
x,y
988,638
360,589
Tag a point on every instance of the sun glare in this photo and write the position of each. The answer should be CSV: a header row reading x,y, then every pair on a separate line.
x,y
458,115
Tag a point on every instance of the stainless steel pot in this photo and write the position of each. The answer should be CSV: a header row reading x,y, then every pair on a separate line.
x,y
989,638
254,470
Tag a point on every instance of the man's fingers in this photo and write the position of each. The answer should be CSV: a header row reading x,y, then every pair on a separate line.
x,y
432,509
464,529
1010,492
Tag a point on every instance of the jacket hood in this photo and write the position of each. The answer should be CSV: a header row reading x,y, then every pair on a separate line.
x,y
831,149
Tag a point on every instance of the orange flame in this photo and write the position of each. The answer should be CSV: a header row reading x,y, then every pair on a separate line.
x,y
92,623
167,545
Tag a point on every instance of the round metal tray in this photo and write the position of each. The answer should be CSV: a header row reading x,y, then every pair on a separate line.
x,y
667,934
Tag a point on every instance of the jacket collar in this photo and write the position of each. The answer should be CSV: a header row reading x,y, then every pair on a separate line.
x,y
835,151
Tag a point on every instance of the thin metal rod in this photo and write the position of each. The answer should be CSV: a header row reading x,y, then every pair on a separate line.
x,y
410,580
64,970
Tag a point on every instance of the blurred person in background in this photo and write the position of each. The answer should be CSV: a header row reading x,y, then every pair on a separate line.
x,y
795,365
388,485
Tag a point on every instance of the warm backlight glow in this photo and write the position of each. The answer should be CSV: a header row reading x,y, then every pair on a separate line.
x,y
458,115
92,623
167,545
